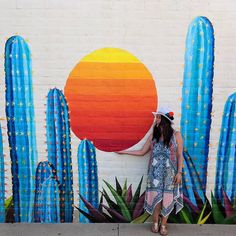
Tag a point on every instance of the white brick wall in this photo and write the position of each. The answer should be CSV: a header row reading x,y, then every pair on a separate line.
x,y
61,32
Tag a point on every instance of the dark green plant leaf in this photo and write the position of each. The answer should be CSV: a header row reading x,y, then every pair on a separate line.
x,y
217,214
124,210
118,187
124,190
141,219
230,220
100,204
185,216
111,204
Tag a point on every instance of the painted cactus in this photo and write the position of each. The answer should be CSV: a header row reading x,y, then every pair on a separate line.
x,y
88,176
2,181
197,94
59,149
21,126
49,201
44,171
226,156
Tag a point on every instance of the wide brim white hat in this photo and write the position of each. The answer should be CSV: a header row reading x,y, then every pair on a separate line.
x,y
166,112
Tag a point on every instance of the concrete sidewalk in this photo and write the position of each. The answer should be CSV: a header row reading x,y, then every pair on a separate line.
x,y
111,230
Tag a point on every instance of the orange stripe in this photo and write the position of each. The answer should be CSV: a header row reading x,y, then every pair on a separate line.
x,y
98,70
110,87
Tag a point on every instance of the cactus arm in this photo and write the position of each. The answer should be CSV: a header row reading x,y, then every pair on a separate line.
x,y
43,172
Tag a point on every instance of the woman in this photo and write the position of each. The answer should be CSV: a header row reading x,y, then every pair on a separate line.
x,y
164,189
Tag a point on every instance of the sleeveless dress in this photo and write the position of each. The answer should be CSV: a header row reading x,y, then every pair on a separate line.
x,y
160,181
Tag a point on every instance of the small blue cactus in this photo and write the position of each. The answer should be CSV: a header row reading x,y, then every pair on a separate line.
x,y
88,176
44,170
49,201
197,96
2,180
226,156
59,149
21,126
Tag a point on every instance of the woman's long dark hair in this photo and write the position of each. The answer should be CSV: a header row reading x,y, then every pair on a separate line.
x,y
165,129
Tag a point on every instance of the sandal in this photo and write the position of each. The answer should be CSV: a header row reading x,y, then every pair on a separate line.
x,y
163,230
155,227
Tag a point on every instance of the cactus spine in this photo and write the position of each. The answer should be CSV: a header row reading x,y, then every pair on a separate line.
x,y
59,149
88,176
21,126
43,172
2,180
226,156
197,94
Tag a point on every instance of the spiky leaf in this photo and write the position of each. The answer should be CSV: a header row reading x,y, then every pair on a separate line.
x,y
141,219
120,202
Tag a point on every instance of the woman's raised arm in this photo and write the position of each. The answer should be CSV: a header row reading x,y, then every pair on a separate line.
x,y
145,149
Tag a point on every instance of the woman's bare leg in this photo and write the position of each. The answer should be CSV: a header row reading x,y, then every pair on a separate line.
x,y
155,216
164,220
156,212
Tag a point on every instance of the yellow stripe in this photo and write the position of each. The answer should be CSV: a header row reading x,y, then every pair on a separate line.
x,y
110,55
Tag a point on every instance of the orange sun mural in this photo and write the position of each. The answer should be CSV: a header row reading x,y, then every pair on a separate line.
x,y
111,95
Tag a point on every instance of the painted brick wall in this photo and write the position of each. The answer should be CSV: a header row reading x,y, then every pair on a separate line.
x,y
60,33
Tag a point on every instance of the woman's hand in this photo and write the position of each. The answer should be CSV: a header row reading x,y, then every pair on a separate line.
x,y
178,178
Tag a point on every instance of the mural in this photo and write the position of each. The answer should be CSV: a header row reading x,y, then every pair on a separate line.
x,y
113,90
107,102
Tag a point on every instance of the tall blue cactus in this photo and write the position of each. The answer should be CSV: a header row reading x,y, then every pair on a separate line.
x,y
44,170
88,176
59,149
226,156
21,126
2,180
197,96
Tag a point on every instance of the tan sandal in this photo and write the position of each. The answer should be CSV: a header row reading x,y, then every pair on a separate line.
x,y
163,230
155,227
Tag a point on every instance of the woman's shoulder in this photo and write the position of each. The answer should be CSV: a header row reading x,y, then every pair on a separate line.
x,y
177,134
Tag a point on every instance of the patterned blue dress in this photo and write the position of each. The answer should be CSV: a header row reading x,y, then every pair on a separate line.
x,y
160,182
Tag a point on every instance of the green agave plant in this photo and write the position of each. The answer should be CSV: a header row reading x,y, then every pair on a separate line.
x,y
127,208
206,213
